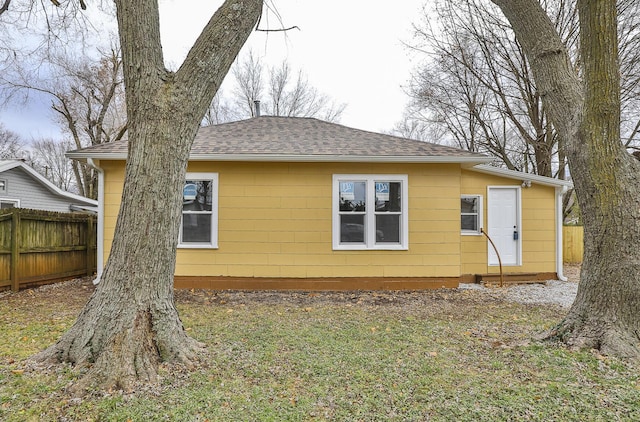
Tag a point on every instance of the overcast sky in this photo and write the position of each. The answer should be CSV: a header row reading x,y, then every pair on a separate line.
x,y
350,50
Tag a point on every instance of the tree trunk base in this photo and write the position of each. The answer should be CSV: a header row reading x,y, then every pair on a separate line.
x,y
608,339
127,358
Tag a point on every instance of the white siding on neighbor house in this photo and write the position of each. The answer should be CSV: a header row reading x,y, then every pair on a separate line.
x,y
31,193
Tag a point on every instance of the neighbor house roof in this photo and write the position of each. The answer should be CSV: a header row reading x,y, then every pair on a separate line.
x,y
82,203
270,138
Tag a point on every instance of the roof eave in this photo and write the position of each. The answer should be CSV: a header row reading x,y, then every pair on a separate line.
x,y
470,161
81,155
338,158
512,174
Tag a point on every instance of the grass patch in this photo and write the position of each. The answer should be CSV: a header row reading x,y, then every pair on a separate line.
x,y
464,356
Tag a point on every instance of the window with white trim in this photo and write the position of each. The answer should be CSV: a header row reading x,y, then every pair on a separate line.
x,y
370,212
199,223
471,214
9,203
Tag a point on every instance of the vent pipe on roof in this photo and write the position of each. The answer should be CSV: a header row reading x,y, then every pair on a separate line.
x,y
257,104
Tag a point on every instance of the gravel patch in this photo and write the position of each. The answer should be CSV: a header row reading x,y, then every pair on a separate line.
x,y
562,293
553,292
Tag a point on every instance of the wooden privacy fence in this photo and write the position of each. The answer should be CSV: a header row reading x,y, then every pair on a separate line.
x,y
41,247
572,248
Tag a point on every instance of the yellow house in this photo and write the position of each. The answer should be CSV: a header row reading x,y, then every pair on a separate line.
x,y
299,203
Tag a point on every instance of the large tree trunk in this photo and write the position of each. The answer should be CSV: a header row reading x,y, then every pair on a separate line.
x,y
606,312
130,323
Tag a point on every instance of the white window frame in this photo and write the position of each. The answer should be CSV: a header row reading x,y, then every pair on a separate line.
x,y
213,178
370,215
480,217
15,202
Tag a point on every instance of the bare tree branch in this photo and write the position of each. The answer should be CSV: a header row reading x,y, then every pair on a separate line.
x,y
480,88
280,91
5,6
273,10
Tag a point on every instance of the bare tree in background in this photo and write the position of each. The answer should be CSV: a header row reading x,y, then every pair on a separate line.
x,y
19,7
249,84
87,97
30,26
476,88
48,158
280,90
477,91
290,94
221,110
11,145
92,110
44,49
587,114
629,59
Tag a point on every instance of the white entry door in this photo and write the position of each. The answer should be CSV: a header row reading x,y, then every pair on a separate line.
x,y
504,224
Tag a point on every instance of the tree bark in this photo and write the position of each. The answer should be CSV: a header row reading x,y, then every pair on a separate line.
x,y
606,312
130,324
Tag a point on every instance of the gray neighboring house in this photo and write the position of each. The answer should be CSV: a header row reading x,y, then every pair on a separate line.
x,y
23,187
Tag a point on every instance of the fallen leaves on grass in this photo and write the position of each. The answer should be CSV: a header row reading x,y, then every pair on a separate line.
x,y
432,355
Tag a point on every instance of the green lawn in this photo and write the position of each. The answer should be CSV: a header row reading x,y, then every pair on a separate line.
x,y
446,355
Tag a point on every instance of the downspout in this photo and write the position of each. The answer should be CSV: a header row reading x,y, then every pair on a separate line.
x,y
560,191
100,237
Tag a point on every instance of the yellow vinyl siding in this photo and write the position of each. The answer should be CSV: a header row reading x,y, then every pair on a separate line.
x,y
113,184
537,231
275,220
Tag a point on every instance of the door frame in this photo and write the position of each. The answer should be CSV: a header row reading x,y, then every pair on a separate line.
x,y
518,208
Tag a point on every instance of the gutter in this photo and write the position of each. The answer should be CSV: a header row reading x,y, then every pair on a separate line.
x,y
525,177
100,229
560,191
303,158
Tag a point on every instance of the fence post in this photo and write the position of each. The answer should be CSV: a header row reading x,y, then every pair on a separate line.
x,y
15,250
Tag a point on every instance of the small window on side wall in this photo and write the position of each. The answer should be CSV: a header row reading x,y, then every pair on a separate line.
x,y
199,225
471,214
6,204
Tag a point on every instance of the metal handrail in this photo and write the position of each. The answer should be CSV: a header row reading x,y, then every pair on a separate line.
x,y
498,255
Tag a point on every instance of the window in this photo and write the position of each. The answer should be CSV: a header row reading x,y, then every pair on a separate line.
x,y
9,203
199,225
3,186
370,212
471,214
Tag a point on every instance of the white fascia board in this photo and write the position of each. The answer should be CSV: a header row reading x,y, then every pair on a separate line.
x,y
337,158
304,158
8,165
518,175
82,156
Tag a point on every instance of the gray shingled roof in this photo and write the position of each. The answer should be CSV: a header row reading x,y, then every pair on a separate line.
x,y
299,139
